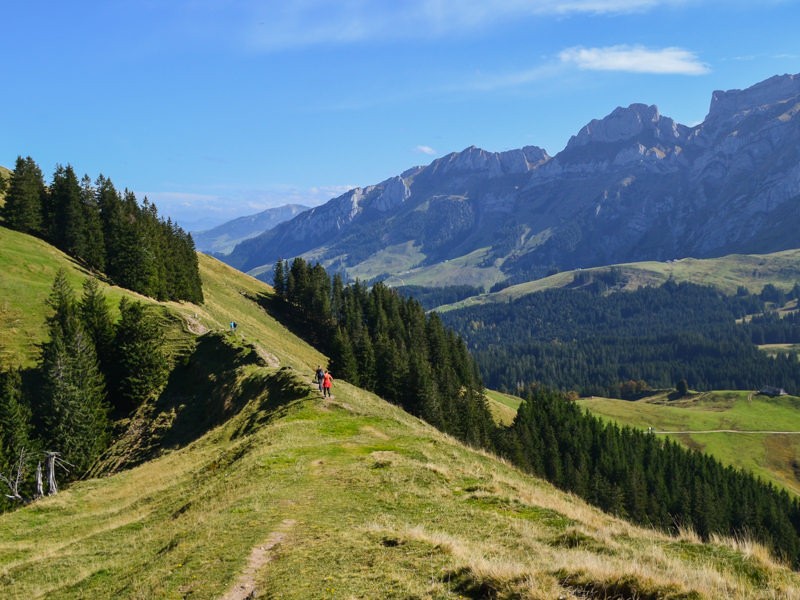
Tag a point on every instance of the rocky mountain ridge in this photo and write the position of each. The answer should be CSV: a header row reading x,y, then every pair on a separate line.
x,y
634,185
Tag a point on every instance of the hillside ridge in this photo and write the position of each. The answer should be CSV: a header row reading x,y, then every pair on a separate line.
x,y
367,501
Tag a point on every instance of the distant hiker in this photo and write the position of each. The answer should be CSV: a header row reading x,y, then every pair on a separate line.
x,y
319,376
327,382
233,325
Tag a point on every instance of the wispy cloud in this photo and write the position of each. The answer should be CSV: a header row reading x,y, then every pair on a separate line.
x,y
300,23
635,59
422,149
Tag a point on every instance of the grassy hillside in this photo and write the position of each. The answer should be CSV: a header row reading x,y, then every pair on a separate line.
x,y
349,498
289,496
773,456
503,406
28,266
727,273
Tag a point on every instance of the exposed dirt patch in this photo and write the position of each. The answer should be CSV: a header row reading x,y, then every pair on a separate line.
x,y
194,325
267,357
262,554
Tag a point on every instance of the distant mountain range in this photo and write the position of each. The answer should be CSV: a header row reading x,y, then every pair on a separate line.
x,y
223,239
632,186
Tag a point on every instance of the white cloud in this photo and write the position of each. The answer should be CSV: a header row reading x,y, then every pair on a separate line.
x,y
300,23
635,59
422,149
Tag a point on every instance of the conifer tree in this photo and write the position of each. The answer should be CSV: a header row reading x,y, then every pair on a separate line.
x,y
279,279
74,414
24,192
343,360
94,248
15,419
64,214
96,319
141,367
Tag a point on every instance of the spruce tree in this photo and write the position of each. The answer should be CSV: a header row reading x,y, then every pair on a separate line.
x,y
141,367
74,413
279,279
65,218
24,192
343,360
15,419
96,319
94,249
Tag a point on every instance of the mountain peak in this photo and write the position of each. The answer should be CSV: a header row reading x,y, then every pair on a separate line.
x,y
473,159
779,88
625,124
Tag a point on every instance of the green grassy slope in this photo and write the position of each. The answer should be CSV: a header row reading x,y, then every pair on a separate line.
x,y
28,267
773,456
350,498
503,406
727,273
289,496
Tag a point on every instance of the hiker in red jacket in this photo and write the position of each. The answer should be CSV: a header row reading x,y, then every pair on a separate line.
x,y
327,382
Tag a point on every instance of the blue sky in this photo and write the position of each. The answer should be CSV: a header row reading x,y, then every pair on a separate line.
x,y
217,109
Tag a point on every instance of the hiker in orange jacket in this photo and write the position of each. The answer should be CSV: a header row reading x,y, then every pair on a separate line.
x,y
327,382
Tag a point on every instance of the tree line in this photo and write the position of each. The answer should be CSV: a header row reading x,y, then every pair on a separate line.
x,y
90,370
386,343
601,344
108,231
431,297
647,480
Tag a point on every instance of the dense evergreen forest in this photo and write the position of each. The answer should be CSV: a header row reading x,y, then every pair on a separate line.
x,y
107,231
645,479
611,344
384,342
91,370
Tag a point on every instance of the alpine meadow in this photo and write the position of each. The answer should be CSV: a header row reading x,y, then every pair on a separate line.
x,y
407,301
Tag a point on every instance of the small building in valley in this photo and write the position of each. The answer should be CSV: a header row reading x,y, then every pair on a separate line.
x,y
769,390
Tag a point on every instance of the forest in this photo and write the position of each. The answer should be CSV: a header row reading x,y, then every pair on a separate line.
x,y
411,359
601,344
91,371
108,232
387,344
651,481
